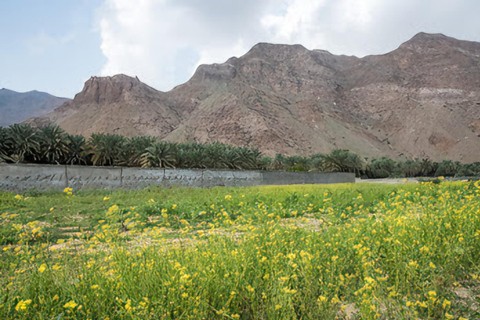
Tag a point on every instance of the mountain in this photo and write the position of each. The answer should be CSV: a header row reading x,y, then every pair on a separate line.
x,y
420,100
15,107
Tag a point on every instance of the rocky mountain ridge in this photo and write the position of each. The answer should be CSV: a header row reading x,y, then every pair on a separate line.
x,y
420,100
18,106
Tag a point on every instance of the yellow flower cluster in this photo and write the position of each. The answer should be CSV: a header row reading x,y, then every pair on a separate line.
x,y
312,253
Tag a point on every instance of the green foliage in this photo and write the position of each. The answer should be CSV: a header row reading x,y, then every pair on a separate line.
x,y
381,168
106,149
344,161
271,252
447,168
159,154
51,145
3,145
134,149
77,150
23,143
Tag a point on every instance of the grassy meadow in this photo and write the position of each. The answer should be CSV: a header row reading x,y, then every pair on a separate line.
x,y
347,251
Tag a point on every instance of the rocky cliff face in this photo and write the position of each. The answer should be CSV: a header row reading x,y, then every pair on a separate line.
x,y
420,100
118,104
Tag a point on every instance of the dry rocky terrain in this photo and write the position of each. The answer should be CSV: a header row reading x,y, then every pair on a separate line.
x,y
420,100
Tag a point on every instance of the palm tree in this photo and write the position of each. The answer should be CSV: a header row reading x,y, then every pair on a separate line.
x,y
159,154
53,144
427,168
23,142
344,161
106,149
77,150
381,168
250,158
317,162
411,168
447,168
134,149
215,155
191,155
278,162
4,150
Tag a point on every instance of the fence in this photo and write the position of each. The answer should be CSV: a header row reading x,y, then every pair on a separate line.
x,y
18,177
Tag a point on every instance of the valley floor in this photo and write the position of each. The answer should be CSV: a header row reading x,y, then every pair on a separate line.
x,y
352,251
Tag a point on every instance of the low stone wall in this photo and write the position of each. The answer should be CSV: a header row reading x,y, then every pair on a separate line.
x,y
19,177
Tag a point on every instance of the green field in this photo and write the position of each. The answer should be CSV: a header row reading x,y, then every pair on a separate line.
x,y
276,252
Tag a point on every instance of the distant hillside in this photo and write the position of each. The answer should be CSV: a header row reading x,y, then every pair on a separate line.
x,y
420,100
16,107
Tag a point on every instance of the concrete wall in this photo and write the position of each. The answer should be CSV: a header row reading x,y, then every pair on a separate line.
x,y
19,177
281,177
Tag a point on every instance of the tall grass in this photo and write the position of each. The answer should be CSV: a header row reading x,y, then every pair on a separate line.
x,y
296,252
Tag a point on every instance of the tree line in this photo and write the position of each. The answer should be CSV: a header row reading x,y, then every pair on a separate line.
x,y
21,143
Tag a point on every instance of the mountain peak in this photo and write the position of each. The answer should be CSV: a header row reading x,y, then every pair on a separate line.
x,y
118,79
429,36
270,49
419,101
429,40
109,88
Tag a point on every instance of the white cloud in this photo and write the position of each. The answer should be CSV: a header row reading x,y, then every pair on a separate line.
x,y
298,24
147,37
163,41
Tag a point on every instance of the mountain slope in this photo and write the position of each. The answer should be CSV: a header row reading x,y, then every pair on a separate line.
x,y
15,107
420,100
118,104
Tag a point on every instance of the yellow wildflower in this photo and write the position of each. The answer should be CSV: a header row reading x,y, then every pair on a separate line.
x,y
42,268
22,304
70,304
446,304
128,305
113,208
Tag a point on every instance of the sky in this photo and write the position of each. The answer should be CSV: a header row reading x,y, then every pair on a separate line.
x,y
56,45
